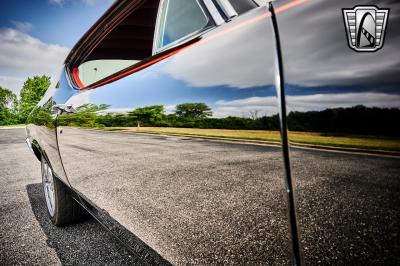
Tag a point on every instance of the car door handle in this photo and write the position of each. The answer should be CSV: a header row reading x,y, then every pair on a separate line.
x,y
63,108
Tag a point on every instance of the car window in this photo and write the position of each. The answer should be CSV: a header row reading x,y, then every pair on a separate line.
x,y
127,42
95,70
178,19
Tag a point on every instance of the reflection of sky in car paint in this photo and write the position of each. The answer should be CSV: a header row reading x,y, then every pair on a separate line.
x,y
141,92
226,100
52,21
338,77
239,85
323,72
336,62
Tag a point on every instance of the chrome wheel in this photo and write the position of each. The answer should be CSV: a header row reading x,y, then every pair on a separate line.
x,y
48,186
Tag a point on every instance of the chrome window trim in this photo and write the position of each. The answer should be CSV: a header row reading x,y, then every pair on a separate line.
x,y
215,14
70,79
156,31
227,8
188,37
265,4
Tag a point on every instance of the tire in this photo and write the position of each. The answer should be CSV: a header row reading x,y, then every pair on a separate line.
x,y
61,207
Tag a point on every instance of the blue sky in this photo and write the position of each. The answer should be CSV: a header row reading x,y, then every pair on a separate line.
x,y
36,35
52,21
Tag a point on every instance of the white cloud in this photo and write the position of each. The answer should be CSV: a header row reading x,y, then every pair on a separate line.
x,y
315,54
231,60
23,26
80,99
170,109
324,101
22,56
314,102
252,101
320,56
11,83
243,107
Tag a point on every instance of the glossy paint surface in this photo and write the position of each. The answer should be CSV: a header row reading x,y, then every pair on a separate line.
x,y
191,200
197,201
41,130
348,204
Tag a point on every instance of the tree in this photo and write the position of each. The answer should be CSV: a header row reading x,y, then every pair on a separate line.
x,y
8,105
92,108
253,114
147,114
193,110
7,99
31,93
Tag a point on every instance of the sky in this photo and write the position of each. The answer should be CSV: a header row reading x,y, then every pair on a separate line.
x,y
37,35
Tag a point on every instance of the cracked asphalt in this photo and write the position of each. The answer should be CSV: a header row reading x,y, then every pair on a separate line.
x,y
348,207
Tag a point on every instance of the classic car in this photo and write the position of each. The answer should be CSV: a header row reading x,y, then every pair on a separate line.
x,y
233,132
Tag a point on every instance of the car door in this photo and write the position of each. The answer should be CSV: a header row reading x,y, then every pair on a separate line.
x,y
191,200
342,92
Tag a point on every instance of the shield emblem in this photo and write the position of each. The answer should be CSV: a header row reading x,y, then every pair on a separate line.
x,y
365,27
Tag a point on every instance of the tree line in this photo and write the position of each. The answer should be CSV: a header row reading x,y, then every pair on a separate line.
x,y
15,110
352,120
189,115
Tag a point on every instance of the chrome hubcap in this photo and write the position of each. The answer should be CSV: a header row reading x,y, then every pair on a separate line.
x,y
48,186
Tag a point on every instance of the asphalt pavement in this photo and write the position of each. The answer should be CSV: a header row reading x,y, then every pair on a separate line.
x,y
27,236
348,206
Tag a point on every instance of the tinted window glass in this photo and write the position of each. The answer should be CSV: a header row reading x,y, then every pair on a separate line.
x,y
129,42
179,19
95,70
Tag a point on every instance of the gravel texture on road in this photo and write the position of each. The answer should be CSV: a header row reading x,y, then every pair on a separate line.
x,y
348,204
348,207
27,236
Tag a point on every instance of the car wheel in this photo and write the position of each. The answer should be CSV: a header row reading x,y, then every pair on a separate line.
x,y
62,208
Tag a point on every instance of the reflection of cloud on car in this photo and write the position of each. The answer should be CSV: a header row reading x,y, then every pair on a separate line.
x,y
261,117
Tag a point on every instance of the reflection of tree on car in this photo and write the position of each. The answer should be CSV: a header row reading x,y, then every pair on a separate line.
x,y
42,115
85,116
147,115
14,110
92,108
194,115
193,110
31,93
221,68
8,107
354,120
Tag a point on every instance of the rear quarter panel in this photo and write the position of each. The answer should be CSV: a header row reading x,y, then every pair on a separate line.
x,y
41,128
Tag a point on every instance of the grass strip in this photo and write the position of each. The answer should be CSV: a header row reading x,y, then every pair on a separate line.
x,y
310,138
